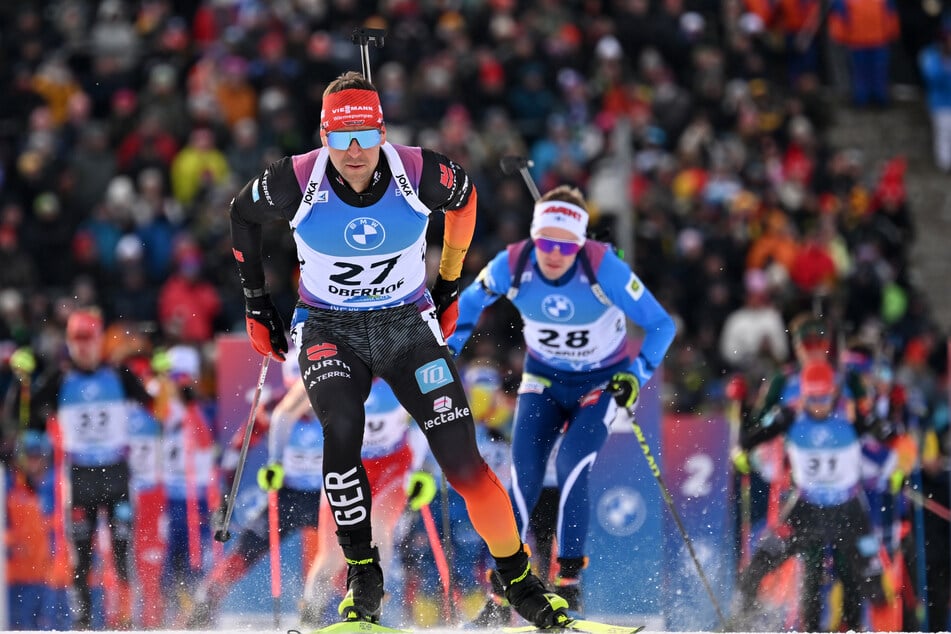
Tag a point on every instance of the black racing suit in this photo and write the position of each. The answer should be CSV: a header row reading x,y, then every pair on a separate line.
x,y
103,486
342,350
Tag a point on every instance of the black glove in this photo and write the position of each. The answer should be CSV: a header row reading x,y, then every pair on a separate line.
x,y
446,297
265,327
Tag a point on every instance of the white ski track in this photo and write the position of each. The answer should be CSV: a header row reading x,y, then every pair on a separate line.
x,y
283,630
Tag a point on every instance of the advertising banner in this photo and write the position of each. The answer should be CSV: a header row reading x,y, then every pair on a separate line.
x,y
625,537
696,470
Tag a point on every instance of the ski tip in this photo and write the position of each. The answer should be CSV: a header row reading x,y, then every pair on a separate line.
x,y
580,625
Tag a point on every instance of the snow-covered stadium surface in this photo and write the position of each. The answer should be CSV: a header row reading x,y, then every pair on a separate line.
x,y
258,630
284,631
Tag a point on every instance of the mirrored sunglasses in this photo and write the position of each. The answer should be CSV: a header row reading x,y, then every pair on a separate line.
x,y
340,140
565,247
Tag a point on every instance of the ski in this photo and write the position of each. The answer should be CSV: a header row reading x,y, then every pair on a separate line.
x,y
575,625
580,625
354,627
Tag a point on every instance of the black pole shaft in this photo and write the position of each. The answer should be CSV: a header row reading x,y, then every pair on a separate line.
x,y
447,543
530,183
665,492
221,533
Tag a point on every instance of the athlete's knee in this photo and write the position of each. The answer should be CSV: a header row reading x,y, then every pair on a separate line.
x,y
475,478
343,434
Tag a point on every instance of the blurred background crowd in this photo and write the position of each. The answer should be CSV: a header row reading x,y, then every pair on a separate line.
x,y
696,128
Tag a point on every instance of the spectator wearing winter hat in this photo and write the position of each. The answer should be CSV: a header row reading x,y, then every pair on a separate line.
x,y
188,304
199,166
136,299
756,330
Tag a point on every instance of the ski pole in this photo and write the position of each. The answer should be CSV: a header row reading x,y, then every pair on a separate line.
x,y
274,544
734,416
221,533
921,574
439,554
927,503
511,164
665,492
447,543
192,512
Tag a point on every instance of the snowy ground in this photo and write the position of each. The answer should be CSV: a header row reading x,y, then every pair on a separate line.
x,y
427,631
284,631
262,624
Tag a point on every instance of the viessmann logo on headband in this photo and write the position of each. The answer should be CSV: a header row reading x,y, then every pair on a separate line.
x,y
350,108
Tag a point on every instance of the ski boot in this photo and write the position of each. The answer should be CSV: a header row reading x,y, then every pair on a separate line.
x,y
364,598
527,593
497,612
568,582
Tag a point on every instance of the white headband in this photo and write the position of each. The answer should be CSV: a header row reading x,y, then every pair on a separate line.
x,y
560,214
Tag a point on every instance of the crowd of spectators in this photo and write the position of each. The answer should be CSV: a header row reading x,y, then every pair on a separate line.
x,y
697,136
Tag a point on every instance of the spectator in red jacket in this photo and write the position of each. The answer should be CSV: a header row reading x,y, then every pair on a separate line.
x,y
188,305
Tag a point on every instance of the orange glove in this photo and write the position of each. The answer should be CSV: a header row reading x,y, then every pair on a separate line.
x,y
265,327
446,298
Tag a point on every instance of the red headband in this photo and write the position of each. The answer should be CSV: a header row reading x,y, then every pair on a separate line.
x,y
351,108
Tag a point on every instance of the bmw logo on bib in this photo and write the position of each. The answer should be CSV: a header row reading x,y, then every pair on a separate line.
x,y
364,234
558,307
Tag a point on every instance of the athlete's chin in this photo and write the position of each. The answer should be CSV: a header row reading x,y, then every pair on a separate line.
x,y
552,272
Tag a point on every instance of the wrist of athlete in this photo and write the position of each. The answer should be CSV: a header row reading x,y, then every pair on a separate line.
x,y
450,263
